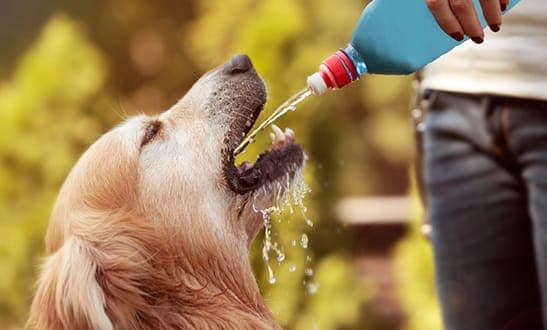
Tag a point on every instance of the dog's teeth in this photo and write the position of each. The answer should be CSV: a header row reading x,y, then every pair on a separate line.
x,y
279,136
272,136
289,132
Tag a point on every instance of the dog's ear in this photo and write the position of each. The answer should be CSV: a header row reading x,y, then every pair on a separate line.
x,y
68,294
96,279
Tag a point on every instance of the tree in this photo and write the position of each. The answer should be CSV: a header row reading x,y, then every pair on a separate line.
x,y
107,57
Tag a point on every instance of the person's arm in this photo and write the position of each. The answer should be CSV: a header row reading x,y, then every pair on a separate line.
x,y
459,17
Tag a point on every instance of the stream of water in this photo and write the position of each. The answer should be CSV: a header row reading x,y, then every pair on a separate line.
x,y
290,192
289,105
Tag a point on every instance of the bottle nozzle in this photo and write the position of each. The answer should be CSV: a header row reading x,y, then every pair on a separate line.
x,y
316,84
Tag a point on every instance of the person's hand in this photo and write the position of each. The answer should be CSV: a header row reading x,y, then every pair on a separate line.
x,y
459,17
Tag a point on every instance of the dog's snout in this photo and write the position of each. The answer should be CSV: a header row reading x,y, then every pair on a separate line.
x,y
238,64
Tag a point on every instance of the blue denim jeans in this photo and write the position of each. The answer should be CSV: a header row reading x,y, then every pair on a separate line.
x,y
485,173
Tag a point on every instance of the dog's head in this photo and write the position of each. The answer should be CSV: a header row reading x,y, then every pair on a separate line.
x,y
164,190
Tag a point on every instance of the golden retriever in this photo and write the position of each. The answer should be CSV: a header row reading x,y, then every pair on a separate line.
x,y
152,227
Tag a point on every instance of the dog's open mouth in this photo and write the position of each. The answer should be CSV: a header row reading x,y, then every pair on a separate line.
x,y
281,161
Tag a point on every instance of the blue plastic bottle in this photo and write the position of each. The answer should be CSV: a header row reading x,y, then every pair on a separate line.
x,y
391,37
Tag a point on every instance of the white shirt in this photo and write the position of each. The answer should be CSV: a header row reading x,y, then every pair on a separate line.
x,y
512,62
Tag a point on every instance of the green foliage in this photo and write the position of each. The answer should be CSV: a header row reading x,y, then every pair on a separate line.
x,y
46,118
337,302
59,99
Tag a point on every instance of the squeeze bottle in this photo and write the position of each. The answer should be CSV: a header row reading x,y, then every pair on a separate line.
x,y
391,37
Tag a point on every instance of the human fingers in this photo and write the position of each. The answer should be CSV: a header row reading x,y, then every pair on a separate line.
x,y
467,17
491,10
445,18
504,4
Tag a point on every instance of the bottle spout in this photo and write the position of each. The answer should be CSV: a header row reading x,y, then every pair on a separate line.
x,y
316,84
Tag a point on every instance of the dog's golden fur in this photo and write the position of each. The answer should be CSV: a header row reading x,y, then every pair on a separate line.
x,y
146,235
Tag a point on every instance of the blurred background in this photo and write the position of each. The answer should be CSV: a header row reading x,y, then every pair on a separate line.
x,y
70,70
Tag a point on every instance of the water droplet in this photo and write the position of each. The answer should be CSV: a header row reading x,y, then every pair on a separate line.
x,y
293,242
308,272
292,268
312,287
280,257
308,259
266,217
304,241
271,276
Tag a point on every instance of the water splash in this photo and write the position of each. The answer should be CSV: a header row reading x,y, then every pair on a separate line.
x,y
292,268
289,192
298,197
266,217
280,257
312,287
289,105
270,245
271,276
304,241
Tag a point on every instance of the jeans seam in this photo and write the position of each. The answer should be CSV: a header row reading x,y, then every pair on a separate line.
x,y
511,155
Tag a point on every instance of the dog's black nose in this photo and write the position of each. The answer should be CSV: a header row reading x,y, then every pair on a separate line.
x,y
238,64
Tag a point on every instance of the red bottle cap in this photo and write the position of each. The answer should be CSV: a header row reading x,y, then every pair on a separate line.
x,y
335,71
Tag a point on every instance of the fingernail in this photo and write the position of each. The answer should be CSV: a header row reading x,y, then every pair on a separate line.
x,y
457,36
477,40
495,27
503,6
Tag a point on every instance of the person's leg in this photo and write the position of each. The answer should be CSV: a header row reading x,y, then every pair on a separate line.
x,y
484,258
527,125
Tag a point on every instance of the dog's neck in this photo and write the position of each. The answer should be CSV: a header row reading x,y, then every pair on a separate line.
x,y
218,291
143,280
204,290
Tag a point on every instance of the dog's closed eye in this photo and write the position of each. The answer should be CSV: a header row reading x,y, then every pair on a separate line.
x,y
151,131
